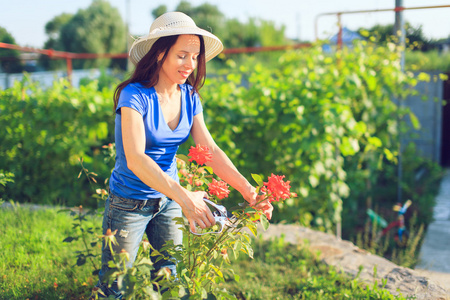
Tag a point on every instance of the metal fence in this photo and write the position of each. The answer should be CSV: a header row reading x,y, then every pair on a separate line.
x,y
427,107
46,78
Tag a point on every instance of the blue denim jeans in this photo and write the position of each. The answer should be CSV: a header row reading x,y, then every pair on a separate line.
x,y
132,218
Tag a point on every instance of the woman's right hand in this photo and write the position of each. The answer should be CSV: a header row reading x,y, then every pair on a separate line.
x,y
196,210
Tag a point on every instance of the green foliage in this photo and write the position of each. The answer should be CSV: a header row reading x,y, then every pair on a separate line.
x,y
232,32
427,61
45,132
420,183
106,80
53,31
83,231
280,270
421,53
5,178
405,255
160,10
414,36
206,16
315,118
9,62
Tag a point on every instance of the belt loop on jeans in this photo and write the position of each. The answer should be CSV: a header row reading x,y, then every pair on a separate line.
x,y
142,204
161,200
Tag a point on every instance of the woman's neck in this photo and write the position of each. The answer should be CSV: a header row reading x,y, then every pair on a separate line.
x,y
167,89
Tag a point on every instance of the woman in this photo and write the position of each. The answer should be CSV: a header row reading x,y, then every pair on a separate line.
x,y
156,111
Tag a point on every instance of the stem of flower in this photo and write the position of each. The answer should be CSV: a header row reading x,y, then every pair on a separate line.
x,y
189,250
83,237
194,259
212,247
265,198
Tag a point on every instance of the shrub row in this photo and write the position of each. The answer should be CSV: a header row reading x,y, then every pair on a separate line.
x,y
45,133
326,121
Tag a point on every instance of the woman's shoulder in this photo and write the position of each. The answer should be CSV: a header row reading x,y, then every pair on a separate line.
x,y
137,87
187,89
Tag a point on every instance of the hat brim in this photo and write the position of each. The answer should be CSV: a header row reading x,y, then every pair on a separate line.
x,y
141,46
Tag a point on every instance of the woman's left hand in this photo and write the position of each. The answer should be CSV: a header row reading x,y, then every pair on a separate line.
x,y
265,206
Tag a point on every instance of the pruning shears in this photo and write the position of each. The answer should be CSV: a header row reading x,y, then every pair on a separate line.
x,y
222,217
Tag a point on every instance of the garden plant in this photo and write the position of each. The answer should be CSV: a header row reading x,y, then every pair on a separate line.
x,y
202,260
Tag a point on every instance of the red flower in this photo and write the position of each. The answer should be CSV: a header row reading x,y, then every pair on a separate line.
x,y
200,154
218,188
277,188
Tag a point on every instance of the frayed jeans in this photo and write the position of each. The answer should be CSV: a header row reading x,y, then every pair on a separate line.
x,y
133,218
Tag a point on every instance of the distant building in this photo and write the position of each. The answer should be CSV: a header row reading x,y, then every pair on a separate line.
x,y
30,61
348,36
444,46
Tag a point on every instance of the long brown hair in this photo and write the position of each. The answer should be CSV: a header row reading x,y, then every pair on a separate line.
x,y
147,69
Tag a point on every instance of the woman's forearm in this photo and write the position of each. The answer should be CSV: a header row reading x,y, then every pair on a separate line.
x,y
225,169
148,171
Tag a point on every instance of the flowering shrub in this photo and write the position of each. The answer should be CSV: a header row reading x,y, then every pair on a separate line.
x,y
202,260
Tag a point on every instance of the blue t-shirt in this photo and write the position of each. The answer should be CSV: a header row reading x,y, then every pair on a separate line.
x,y
161,142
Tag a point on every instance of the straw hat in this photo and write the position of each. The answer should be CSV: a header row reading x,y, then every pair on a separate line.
x,y
173,23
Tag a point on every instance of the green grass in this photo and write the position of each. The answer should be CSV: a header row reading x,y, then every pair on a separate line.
x,y
286,271
37,264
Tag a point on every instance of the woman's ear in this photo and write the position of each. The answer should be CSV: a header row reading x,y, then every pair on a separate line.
x,y
160,56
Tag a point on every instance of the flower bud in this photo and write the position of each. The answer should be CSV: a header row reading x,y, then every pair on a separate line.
x,y
146,245
124,254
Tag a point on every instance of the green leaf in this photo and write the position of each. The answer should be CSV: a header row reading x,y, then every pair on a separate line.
x,y
237,246
236,277
414,121
423,77
111,264
349,146
209,169
69,239
204,293
81,261
183,158
259,181
443,77
389,155
264,222
313,180
374,141
249,210
252,227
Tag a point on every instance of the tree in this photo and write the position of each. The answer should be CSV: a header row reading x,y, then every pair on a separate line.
x,y
53,30
206,16
9,58
97,29
415,38
232,32
160,10
53,27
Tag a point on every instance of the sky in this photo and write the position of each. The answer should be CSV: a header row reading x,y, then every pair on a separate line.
x,y
26,19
